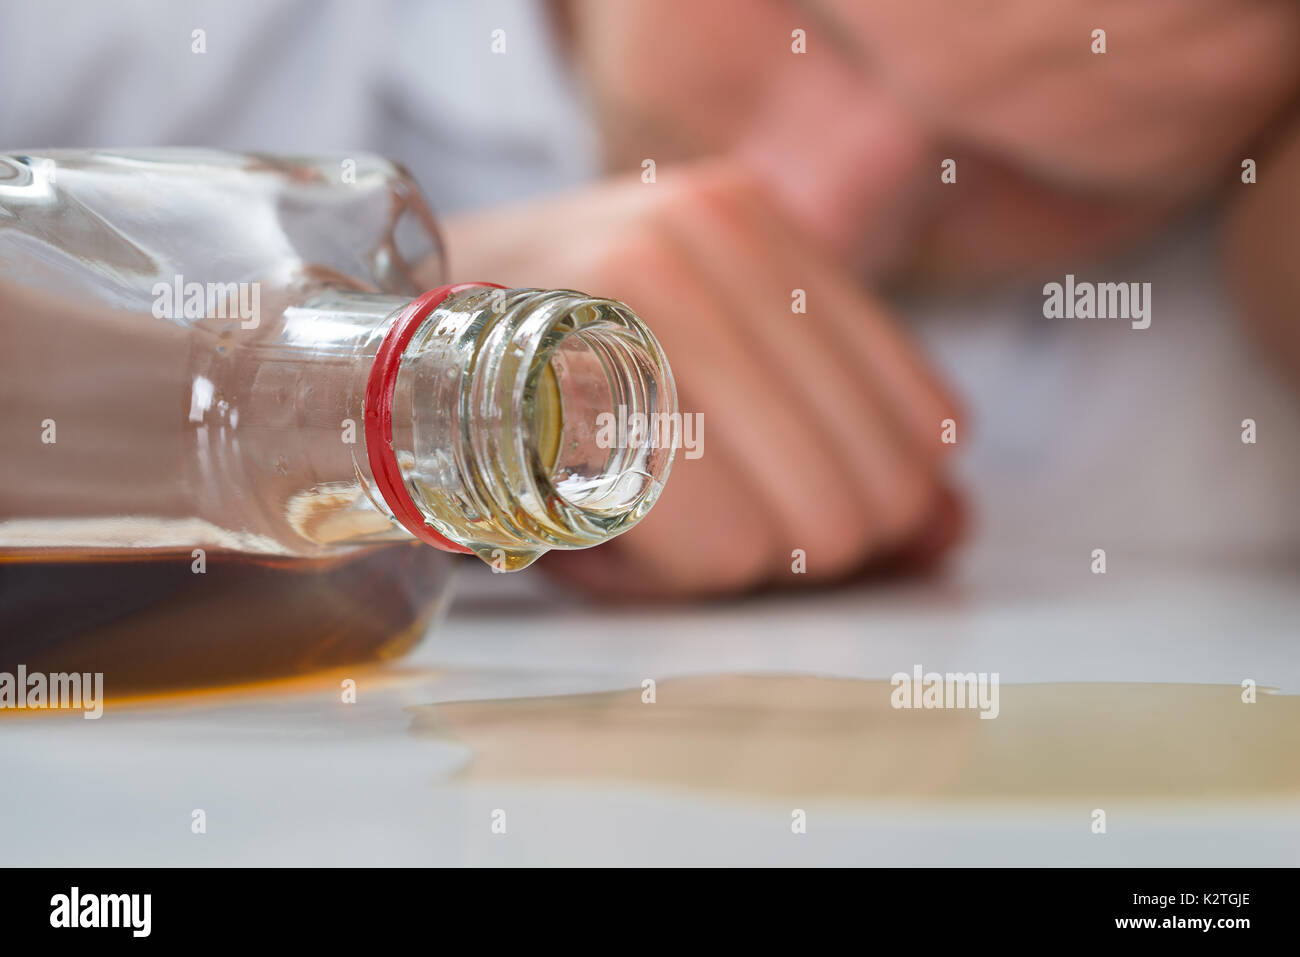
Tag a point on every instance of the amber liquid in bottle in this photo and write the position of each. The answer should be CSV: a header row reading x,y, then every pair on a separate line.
x,y
158,623
152,624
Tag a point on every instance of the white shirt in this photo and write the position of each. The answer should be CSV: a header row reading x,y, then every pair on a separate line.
x,y
419,82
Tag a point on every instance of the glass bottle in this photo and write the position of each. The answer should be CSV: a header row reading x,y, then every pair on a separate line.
x,y
233,425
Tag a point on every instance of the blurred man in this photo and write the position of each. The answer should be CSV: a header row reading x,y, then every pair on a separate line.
x,y
767,153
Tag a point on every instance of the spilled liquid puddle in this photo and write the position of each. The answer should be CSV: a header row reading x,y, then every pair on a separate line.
x,y
777,736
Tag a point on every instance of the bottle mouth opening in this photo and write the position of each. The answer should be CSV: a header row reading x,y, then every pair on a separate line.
x,y
579,418
508,422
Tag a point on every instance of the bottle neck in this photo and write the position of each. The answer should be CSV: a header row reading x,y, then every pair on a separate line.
x,y
508,422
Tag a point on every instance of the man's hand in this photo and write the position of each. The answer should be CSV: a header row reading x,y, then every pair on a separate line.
x,y
822,431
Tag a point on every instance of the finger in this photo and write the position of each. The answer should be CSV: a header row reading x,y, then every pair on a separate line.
x,y
837,402
860,329
707,535
744,403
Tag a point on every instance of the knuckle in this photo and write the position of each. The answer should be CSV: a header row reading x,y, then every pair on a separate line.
x,y
717,190
620,267
906,505
838,541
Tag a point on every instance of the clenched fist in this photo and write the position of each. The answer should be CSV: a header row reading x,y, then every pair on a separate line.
x,y
822,429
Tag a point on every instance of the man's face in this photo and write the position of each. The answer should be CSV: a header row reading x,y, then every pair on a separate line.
x,y
1047,129
679,79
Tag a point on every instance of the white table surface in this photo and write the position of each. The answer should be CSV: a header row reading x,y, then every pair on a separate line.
x,y
290,775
